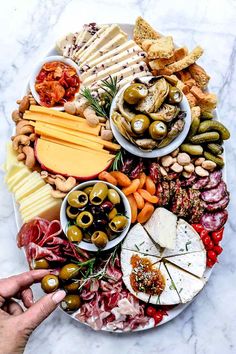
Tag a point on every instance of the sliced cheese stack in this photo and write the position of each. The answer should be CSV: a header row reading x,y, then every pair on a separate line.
x,y
30,191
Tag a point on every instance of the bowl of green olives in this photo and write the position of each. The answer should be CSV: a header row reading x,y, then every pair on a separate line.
x,y
150,117
95,215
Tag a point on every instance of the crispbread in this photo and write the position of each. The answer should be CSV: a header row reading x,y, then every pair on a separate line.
x,y
159,48
142,30
159,64
199,75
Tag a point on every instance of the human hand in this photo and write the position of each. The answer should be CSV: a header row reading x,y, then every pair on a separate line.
x,y
15,324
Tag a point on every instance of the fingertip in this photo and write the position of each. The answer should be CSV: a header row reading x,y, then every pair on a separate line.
x,y
58,296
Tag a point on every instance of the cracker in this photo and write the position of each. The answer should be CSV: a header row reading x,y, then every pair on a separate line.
x,y
197,92
191,99
199,75
159,64
159,48
142,30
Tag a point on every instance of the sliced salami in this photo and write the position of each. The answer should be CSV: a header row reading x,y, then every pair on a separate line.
x,y
214,221
189,181
166,192
214,179
201,183
222,204
215,194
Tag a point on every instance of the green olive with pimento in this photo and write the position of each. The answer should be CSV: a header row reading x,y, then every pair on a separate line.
x,y
50,283
71,302
134,93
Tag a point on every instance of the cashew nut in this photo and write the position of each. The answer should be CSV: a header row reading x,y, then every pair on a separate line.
x,y
20,125
26,129
201,171
20,140
44,174
57,194
166,161
209,165
24,104
183,159
21,157
16,116
176,167
30,158
65,186
59,176
199,161
32,137
70,107
106,134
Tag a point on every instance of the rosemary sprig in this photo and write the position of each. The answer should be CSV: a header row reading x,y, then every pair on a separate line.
x,y
94,102
110,86
118,162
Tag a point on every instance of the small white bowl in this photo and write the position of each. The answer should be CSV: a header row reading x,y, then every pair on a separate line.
x,y
39,67
127,145
90,246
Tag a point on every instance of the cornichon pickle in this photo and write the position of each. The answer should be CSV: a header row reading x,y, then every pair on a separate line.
x,y
192,149
217,159
207,126
215,149
207,115
205,137
193,128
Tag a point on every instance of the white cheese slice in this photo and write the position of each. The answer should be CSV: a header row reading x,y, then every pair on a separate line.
x,y
187,285
49,210
130,78
12,170
11,157
137,240
125,259
15,179
37,202
37,195
194,262
169,296
33,183
162,228
187,240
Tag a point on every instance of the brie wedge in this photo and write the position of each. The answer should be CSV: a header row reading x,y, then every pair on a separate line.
x,y
125,259
194,262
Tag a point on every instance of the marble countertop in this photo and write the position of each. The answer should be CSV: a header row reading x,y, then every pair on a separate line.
x,y
28,30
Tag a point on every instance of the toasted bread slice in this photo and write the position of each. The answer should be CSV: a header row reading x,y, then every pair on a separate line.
x,y
142,30
199,75
162,48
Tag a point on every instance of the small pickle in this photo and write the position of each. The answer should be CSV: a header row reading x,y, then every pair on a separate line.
x,y
39,264
194,150
215,149
217,159
98,193
71,302
214,125
84,219
174,95
69,271
72,212
140,124
193,128
205,137
74,234
99,239
50,283
77,199
118,223
113,196
72,288
158,130
112,213
134,93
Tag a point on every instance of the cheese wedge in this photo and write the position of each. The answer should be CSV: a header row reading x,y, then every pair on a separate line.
x,y
125,259
161,227
35,204
15,179
37,195
194,263
11,157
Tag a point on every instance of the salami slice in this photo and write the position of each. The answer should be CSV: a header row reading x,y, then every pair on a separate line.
x,y
214,179
214,221
215,194
166,193
222,204
201,183
189,181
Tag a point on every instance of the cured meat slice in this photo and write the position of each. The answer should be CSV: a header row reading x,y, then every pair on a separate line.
x,y
214,221
189,181
166,193
222,204
201,183
214,179
215,194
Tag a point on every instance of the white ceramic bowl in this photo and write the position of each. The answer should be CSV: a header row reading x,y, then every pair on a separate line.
x,y
127,145
90,246
39,67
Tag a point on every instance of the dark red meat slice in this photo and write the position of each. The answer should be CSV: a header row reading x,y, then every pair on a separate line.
x,y
159,194
185,205
166,193
214,179
214,221
215,194
189,181
34,251
222,204
201,183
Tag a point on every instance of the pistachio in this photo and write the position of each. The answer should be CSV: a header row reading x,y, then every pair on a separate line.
x,y
177,167
201,171
167,161
183,159
209,165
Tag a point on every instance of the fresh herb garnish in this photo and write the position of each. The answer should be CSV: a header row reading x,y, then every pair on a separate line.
x,y
136,247
118,162
94,102
172,286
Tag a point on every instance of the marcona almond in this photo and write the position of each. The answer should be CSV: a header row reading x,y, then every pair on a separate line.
x,y
199,161
175,153
183,159
189,168
166,161
209,165
186,174
201,171
176,167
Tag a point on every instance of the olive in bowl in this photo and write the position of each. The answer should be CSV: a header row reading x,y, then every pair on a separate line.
x,y
101,222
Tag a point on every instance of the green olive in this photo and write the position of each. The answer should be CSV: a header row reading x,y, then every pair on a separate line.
x,y
174,95
39,264
158,130
50,283
99,239
84,219
77,199
113,196
118,223
69,271
72,212
71,302
74,234
87,190
134,93
72,287
98,193
112,213
140,124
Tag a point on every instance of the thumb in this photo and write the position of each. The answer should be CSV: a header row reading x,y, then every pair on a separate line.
x,y
42,309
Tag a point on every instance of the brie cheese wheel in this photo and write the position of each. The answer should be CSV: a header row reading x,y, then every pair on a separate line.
x,y
162,228
187,240
140,295
194,262
137,240
125,259
187,285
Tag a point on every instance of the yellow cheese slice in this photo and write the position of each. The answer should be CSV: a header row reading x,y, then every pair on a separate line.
x,y
12,170
35,203
33,183
17,178
37,195
49,211
54,113
11,157
21,183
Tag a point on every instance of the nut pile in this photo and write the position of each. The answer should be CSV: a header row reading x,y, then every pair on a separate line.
x,y
61,184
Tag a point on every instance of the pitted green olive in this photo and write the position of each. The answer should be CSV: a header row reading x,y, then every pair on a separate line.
x,y
112,213
77,199
98,193
140,124
113,196
74,234
50,283
72,288
174,95
39,264
99,239
71,302
72,212
69,271
87,190
118,223
134,93
158,130
84,219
